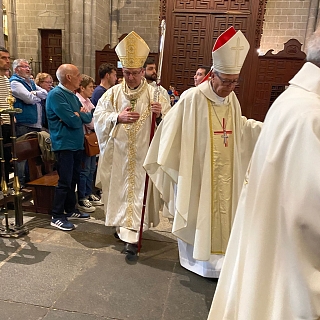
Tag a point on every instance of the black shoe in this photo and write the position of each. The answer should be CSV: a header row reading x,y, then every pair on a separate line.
x,y
130,248
131,252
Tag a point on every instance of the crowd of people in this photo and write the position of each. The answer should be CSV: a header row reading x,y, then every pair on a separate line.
x,y
242,194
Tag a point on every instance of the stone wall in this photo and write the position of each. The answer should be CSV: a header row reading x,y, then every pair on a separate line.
x,y
88,25
102,21
142,17
284,20
32,15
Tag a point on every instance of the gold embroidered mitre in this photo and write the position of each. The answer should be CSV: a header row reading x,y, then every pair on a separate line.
x,y
132,51
230,51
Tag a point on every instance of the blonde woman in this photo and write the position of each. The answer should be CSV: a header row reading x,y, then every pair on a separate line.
x,y
44,81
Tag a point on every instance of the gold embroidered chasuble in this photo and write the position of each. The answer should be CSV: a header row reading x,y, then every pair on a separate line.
x,y
123,148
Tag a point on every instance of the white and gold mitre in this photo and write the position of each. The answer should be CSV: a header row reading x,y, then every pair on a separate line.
x,y
230,51
132,51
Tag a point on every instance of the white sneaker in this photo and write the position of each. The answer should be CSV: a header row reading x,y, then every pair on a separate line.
x,y
85,206
95,200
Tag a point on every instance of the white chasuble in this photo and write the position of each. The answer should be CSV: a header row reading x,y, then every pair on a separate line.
x,y
184,163
123,148
271,269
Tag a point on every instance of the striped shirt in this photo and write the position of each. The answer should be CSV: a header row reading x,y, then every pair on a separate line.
x,y
4,92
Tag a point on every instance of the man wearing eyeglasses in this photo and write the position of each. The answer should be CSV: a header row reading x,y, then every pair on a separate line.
x,y
123,121
199,156
28,98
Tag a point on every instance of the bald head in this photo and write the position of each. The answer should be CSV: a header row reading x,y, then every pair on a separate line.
x,y
69,76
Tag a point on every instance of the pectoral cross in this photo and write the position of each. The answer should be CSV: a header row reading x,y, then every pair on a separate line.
x,y
225,132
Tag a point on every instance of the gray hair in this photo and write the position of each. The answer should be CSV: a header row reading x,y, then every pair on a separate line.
x,y
16,62
313,48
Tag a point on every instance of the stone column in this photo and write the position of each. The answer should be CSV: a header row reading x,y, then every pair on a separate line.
x,y
12,27
76,27
1,24
114,22
313,19
88,37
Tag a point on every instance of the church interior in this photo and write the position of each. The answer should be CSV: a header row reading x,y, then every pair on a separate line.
x,y
54,275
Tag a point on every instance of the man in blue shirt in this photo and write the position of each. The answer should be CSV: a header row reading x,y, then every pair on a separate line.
x,y
66,117
108,76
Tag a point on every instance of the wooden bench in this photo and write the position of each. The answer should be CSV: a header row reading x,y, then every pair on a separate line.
x,y
42,177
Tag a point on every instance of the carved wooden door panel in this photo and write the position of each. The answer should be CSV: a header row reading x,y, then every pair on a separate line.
x,y
51,51
193,27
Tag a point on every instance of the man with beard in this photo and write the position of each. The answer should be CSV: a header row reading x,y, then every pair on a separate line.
x,y
150,73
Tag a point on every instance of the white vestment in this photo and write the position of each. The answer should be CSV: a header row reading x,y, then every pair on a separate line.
x,y
181,154
123,148
272,265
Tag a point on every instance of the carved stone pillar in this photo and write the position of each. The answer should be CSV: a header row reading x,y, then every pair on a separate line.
x,y
313,19
12,27
80,34
1,24
114,22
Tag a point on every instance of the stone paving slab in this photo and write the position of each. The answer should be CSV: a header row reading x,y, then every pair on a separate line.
x,y
78,275
20,311
67,315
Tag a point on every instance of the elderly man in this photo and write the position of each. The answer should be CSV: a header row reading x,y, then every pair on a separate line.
x,y
66,117
198,159
123,124
272,265
28,98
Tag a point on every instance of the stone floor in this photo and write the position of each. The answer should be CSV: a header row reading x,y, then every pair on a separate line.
x,y
82,275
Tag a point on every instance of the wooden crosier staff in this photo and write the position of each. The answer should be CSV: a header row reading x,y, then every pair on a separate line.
x,y
153,123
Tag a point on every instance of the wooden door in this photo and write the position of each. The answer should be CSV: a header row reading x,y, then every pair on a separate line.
x,y
192,28
51,51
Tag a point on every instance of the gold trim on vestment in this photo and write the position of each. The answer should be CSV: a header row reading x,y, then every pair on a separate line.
x,y
217,216
132,130
212,164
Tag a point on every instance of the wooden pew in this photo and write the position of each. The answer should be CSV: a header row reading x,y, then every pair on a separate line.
x,y
42,177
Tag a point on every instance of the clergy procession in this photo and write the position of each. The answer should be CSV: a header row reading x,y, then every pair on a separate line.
x,y
242,195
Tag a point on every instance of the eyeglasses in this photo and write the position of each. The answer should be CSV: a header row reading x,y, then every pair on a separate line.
x,y
128,73
49,82
227,82
25,67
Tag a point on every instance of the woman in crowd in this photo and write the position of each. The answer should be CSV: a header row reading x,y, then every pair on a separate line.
x,y
45,81
86,199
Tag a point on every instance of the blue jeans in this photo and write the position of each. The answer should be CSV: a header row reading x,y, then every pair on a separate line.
x,y
68,167
86,176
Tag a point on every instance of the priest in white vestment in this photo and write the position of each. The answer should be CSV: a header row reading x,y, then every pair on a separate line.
x,y
123,123
199,156
272,265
